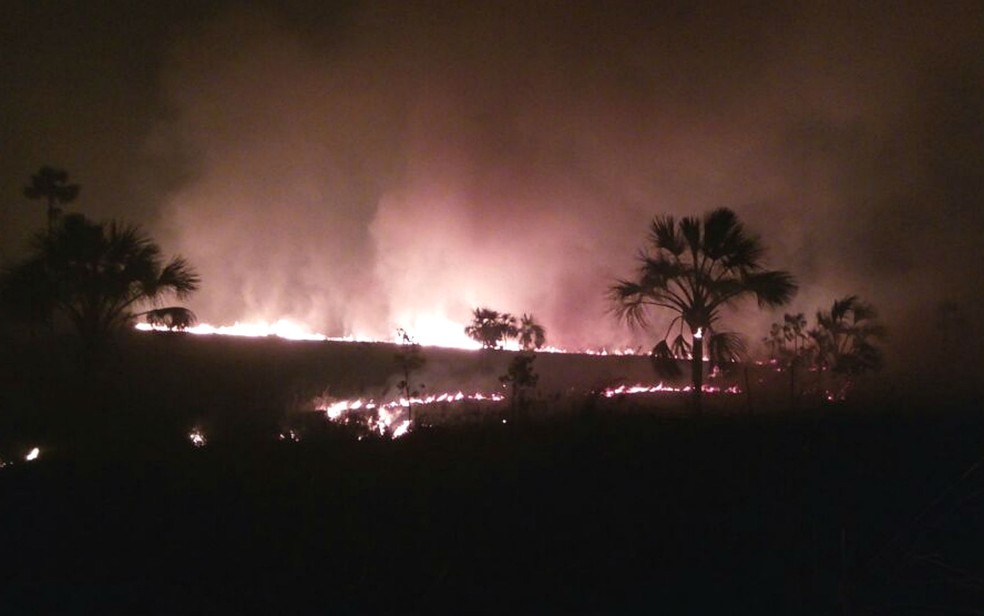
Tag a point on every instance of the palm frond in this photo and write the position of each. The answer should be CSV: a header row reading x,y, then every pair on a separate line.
x,y
681,347
771,288
843,306
663,235
664,361
726,347
690,229
720,228
171,317
179,277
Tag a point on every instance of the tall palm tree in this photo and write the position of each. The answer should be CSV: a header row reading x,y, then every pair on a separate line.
x,y
96,275
694,268
794,332
51,185
531,334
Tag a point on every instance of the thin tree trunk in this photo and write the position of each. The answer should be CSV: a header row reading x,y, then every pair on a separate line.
x,y
697,372
792,383
748,391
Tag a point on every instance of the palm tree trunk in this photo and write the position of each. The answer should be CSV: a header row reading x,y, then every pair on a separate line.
x,y
792,383
748,390
697,371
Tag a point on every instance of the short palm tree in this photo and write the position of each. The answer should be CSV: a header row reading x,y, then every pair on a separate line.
x,y
491,328
695,268
97,276
531,335
847,336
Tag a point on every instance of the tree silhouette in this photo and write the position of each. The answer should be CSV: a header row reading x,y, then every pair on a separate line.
x,y
96,275
790,347
695,268
846,338
51,186
409,359
520,378
531,334
491,328
173,318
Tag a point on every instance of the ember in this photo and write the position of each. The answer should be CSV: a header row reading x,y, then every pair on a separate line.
x,y
197,438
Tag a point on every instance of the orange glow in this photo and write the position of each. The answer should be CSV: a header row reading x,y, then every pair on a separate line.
x,y
428,331
622,390
390,417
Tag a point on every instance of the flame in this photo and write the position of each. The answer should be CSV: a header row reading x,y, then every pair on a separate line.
x,y
389,417
197,438
32,455
284,328
438,330
434,331
622,390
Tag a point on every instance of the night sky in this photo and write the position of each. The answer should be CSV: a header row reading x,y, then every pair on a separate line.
x,y
363,166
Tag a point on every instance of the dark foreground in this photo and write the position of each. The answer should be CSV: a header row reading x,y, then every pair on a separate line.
x,y
844,511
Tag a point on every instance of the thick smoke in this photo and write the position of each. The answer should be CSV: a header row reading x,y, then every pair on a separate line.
x,y
407,162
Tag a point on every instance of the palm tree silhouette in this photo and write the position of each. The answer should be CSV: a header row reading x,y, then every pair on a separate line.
x,y
695,268
97,275
531,334
846,337
491,328
50,184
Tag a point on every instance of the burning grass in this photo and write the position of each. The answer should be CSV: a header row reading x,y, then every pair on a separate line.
x,y
605,494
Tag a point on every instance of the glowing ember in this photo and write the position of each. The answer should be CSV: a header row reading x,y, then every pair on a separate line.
x,y
290,435
33,455
197,438
622,390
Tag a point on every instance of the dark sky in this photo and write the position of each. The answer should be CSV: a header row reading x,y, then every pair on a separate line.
x,y
361,166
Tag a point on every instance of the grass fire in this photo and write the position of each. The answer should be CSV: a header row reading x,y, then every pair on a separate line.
x,y
491,307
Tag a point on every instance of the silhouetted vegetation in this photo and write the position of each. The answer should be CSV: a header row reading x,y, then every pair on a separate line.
x,y
844,343
172,318
96,276
521,380
50,185
409,359
855,507
491,328
531,334
694,269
